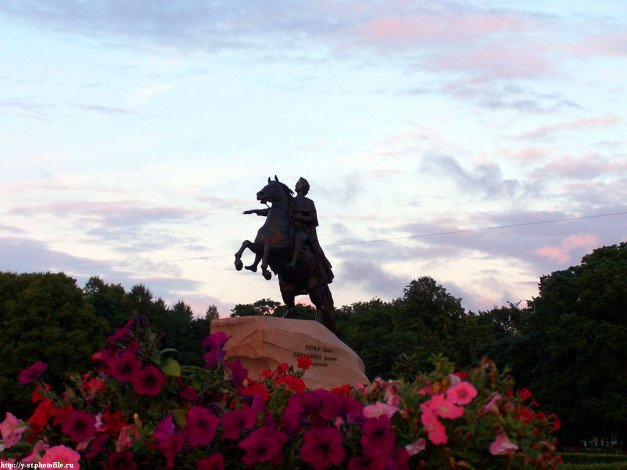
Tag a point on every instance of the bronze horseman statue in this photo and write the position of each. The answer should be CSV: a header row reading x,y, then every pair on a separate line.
x,y
288,243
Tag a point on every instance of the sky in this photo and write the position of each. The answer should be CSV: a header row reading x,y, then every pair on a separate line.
x,y
479,142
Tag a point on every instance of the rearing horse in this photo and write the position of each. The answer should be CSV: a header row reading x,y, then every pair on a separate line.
x,y
273,247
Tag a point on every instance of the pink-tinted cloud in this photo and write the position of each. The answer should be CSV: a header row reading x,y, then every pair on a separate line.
x,y
563,252
414,24
605,45
579,124
588,167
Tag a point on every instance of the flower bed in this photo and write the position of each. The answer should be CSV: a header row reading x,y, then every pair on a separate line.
x,y
139,408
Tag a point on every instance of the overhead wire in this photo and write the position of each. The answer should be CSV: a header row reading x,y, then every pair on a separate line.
x,y
375,240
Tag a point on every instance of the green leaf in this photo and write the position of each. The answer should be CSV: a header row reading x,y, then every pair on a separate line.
x,y
171,367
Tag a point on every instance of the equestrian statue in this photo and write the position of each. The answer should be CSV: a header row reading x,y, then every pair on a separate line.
x,y
288,244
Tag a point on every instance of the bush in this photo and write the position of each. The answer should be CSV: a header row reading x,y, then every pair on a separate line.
x,y
139,408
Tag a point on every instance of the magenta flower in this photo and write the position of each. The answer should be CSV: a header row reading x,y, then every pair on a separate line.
x,y
122,460
399,459
61,455
123,333
98,445
377,438
343,407
201,426
263,445
502,445
148,381
366,463
215,342
32,373
170,447
215,462
462,393
164,429
238,374
322,447
234,422
125,366
12,430
79,425
305,408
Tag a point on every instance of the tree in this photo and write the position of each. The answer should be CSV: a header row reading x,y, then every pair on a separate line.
x,y
44,317
572,352
212,313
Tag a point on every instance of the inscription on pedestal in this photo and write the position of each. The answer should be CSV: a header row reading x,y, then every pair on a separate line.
x,y
321,356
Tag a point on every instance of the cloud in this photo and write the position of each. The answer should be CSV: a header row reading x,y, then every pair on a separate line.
x,y
26,255
373,278
562,252
585,168
544,132
485,178
106,109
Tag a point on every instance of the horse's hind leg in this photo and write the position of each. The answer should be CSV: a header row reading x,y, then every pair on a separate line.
x,y
287,292
238,255
264,262
322,299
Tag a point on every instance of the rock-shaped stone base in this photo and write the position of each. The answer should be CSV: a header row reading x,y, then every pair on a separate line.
x,y
261,342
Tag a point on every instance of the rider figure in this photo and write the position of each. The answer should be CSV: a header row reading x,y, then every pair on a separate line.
x,y
305,223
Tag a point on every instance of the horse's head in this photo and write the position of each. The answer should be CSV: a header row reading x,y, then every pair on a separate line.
x,y
274,191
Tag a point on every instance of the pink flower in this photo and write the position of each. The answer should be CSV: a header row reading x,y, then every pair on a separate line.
x,y
201,426
79,425
32,373
215,462
263,445
377,438
322,447
502,445
125,439
234,422
492,405
61,454
170,447
125,366
416,447
121,461
12,430
462,393
444,408
436,430
379,409
34,456
149,381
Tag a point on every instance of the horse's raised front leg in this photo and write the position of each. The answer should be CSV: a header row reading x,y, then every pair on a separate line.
x,y
264,262
238,255
253,267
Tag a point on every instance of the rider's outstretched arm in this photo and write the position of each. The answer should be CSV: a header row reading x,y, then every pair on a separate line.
x,y
261,212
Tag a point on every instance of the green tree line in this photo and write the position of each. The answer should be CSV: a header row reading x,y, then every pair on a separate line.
x,y
568,345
